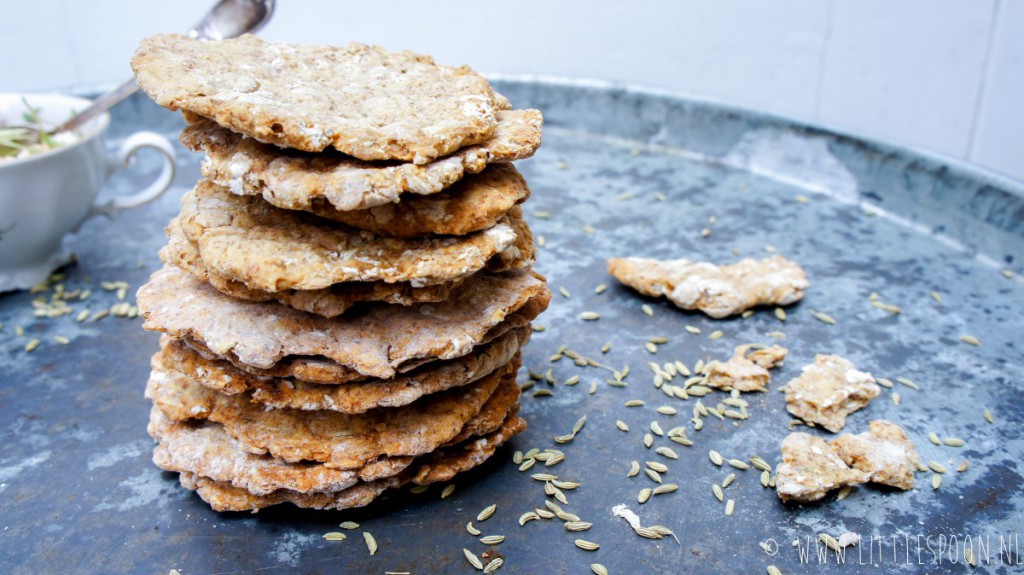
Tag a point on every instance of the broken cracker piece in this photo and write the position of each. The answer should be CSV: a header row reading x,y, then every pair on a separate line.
x,y
718,291
828,390
811,468
885,452
746,371
766,357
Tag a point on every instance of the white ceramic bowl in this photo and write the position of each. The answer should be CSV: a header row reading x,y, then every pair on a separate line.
x,y
46,196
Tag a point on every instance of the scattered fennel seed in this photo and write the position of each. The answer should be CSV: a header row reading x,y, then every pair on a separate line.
x,y
473,559
371,543
634,469
717,491
824,317
970,340
486,513
907,382
716,457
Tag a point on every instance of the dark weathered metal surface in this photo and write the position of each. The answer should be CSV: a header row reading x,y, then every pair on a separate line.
x,y
79,495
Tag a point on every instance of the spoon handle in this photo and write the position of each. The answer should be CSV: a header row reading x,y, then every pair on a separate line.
x,y
98,106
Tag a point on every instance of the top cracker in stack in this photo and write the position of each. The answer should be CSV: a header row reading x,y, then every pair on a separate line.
x,y
347,290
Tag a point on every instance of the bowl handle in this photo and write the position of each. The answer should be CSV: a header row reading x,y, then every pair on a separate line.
x,y
123,159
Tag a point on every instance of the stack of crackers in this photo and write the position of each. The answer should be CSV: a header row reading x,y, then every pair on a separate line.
x,y
346,291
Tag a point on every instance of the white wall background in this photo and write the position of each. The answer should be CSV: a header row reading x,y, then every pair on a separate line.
x,y
947,75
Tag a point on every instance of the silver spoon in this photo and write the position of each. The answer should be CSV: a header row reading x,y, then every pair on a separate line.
x,y
228,19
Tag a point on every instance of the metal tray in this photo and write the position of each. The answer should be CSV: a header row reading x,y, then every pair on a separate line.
x,y
78,493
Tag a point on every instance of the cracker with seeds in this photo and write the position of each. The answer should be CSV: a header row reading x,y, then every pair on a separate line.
x,y
223,496
363,101
321,370
338,440
718,291
243,238
746,370
353,397
884,451
314,370
327,302
441,465
503,404
828,390
331,181
811,468
472,204
206,449
373,341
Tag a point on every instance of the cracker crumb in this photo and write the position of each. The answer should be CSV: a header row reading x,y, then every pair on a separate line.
x,y
811,468
885,452
746,371
829,390
718,291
